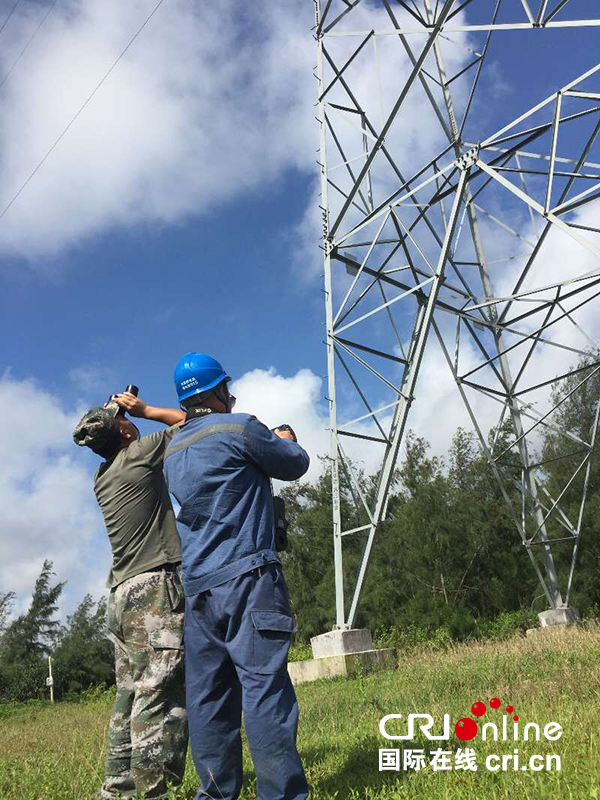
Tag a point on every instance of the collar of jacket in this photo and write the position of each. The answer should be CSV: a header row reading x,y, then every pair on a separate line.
x,y
198,411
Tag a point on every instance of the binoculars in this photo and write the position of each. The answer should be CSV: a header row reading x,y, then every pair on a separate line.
x,y
132,390
281,523
286,428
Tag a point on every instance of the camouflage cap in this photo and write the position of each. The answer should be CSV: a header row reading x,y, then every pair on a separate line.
x,y
97,428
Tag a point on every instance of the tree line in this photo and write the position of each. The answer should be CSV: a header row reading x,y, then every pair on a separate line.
x,y
81,652
448,557
449,554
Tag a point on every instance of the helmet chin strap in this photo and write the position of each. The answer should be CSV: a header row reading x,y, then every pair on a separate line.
x,y
202,411
223,399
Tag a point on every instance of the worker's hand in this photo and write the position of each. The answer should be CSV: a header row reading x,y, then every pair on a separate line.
x,y
285,433
132,404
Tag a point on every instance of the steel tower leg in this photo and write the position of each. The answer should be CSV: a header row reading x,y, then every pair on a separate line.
x,y
553,590
406,245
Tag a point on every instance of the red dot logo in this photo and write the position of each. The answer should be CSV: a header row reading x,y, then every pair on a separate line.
x,y
516,718
509,709
466,729
495,702
478,709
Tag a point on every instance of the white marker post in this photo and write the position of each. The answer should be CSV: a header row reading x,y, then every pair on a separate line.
x,y
50,679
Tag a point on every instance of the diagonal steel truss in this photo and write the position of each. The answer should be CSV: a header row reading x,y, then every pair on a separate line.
x,y
453,240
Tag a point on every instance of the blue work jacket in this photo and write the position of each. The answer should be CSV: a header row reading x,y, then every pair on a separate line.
x,y
218,468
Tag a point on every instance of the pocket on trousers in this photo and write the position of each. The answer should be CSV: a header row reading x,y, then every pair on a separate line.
x,y
165,639
272,633
175,593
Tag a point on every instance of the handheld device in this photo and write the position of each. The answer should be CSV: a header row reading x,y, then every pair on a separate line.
x,y
132,389
286,428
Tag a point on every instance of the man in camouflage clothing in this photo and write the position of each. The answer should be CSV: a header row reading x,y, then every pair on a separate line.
x,y
147,735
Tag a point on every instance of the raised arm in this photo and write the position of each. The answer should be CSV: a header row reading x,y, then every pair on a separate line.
x,y
279,456
138,408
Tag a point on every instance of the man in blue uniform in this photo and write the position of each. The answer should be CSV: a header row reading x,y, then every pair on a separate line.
x,y
238,622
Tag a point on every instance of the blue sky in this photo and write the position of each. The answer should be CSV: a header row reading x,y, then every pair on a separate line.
x,y
234,280
177,214
129,303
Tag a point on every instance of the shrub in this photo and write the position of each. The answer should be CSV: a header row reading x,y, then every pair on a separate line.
x,y
24,680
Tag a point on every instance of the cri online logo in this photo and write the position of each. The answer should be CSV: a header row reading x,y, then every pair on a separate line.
x,y
466,728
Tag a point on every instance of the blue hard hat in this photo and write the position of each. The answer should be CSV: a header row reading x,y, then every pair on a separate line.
x,y
196,373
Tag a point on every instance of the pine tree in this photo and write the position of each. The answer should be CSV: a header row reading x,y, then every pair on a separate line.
x,y
6,603
578,396
33,633
84,655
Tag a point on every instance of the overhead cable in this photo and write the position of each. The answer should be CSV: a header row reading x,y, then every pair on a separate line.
x,y
83,106
10,13
31,38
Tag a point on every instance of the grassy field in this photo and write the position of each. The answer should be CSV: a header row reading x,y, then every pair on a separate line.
x,y
57,752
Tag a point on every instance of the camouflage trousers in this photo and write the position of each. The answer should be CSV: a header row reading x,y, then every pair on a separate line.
x,y
147,735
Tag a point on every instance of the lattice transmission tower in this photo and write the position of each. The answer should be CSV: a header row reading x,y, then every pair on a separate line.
x,y
452,222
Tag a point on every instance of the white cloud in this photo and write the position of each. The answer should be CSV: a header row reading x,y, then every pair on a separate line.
x,y
209,101
297,401
89,378
48,506
276,400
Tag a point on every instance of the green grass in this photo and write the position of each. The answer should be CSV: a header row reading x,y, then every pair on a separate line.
x,y
57,752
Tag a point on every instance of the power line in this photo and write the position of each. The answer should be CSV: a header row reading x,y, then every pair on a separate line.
x,y
10,13
99,84
31,38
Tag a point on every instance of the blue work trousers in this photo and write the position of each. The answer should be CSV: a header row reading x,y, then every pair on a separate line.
x,y
237,637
